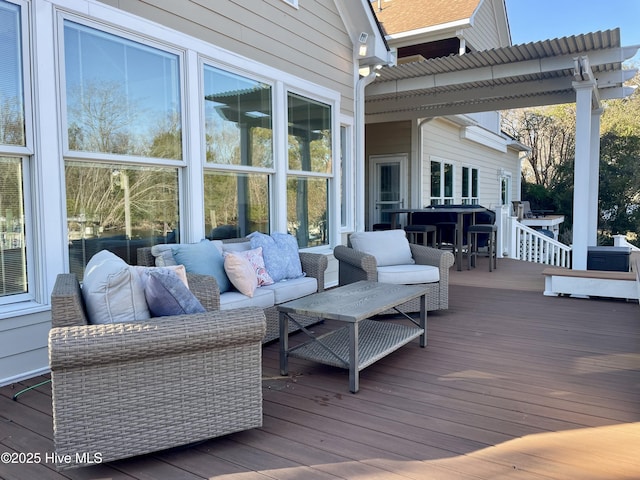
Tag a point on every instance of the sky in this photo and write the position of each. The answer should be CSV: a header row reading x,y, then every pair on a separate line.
x,y
533,20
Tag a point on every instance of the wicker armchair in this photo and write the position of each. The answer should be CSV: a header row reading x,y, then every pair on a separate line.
x,y
313,265
355,265
127,389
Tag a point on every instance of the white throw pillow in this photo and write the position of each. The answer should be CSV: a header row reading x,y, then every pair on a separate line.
x,y
112,290
390,247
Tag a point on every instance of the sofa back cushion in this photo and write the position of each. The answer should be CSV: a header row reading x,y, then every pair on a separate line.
x,y
112,290
280,253
390,247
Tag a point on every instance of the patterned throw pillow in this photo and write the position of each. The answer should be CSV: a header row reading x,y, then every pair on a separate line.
x,y
257,262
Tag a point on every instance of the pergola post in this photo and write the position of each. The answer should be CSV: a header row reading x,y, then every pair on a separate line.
x,y
583,231
594,178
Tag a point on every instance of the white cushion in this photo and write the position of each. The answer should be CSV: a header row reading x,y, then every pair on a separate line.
x,y
236,246
262,298
112,290
408,274
286,290
390,247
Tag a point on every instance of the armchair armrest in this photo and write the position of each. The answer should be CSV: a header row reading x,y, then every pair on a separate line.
x,y
314,265
206,290
424,255
83,346
354,265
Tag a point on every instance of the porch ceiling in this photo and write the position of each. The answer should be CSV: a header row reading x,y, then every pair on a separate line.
x,y
532,74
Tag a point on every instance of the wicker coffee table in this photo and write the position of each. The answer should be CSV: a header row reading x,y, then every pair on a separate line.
x,y
361,341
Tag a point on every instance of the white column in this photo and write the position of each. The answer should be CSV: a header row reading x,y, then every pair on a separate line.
x,y
582,174
594,178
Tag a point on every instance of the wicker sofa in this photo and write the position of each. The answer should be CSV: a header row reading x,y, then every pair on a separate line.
x,y
127,389
355,265
313,266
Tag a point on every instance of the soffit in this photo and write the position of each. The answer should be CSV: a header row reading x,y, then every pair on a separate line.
x,y
532,74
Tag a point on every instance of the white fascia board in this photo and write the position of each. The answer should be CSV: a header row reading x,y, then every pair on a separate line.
x,y
484,137
434,30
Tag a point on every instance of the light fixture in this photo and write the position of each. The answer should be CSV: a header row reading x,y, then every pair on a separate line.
x,y
362,50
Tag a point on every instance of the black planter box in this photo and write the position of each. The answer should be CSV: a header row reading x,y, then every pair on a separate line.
x,y
613,259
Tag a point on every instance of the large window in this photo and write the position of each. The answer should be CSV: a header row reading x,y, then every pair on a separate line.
x,y
123,97
14,278
309,170
441,183
122,105
239,154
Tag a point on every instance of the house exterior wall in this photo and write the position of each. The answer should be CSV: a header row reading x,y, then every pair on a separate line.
x,y
441,141
305,50
487,31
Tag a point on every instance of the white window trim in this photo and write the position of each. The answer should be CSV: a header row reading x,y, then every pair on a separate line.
x,y
442,161
470,197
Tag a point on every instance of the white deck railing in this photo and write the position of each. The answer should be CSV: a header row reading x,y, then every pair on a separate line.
x,y
533,246
518,241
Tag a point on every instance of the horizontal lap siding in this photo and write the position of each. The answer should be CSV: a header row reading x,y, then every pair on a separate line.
x,y
485,32
310,42
441,139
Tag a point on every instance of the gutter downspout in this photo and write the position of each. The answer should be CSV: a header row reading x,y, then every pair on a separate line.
x,y
360,150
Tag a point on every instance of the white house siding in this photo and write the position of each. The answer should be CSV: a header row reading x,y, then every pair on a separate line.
x,y
309,43
488,30
441,141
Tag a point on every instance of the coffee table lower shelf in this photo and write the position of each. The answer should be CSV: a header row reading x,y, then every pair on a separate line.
x,y
376,339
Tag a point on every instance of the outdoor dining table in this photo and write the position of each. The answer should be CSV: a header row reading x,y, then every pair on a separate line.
x,y
460,212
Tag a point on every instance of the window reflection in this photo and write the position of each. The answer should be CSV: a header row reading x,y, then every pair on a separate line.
x,y
238,119
119,208
11,87
307,209
236,204
123,97
309,135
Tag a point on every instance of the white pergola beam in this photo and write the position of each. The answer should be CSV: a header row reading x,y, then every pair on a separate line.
x,y
493,73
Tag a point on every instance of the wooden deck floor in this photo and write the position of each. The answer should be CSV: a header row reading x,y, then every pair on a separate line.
x,y
512,385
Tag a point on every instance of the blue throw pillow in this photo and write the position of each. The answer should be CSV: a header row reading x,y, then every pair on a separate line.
x,y
280,253
203,258
167,295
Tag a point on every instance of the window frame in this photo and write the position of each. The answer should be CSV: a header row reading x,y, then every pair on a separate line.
x,y
468,198
143,40
25,154
442,199
333,192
